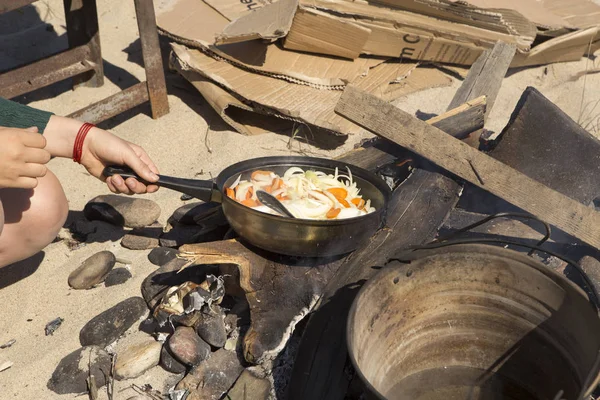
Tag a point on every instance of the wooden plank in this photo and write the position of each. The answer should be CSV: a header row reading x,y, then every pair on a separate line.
x,y
486,74
458,122
418,208
471,165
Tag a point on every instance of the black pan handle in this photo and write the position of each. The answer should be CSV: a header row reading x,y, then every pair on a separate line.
x,y
203,190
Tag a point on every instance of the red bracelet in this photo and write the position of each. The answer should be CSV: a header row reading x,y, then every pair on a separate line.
x,y
78,146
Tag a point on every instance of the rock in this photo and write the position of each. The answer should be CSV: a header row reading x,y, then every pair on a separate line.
x,y
92,271
211,379
169,362
162,255
137,359
249,385
211,326
109,325
72,371
143,238
187,346
186,234
117,276
189,213
122,210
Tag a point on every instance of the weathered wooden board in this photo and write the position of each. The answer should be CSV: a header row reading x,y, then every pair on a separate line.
x,y
471,165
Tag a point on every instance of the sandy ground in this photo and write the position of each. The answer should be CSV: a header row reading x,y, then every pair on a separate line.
x,y
33,293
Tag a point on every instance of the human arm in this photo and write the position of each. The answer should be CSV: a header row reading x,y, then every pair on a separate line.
x,y
100,149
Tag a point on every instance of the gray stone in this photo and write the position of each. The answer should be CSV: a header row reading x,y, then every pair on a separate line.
x,y
142,238
117,276
72,371
211,326
190,213
169,362
137,359
126,211
92,271
187,346
186,234
211,379
248,386
162,255
109,325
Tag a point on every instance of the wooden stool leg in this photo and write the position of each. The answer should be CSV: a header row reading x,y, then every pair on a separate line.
x,y
155,76
82,29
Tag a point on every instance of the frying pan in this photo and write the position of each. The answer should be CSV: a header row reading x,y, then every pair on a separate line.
x,y
293,237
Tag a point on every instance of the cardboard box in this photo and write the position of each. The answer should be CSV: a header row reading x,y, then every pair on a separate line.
x,y
444,31
196,24
348,29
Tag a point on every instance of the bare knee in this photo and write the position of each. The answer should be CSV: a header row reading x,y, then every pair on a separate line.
x,y
49,209
32,218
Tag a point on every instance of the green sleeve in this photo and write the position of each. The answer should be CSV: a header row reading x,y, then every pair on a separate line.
x,y
15,115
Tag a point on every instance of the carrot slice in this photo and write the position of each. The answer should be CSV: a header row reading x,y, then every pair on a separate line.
x,y
268,189
358,202
230,193
332,213
250,192
343,202
339,193
250,203
255,174
282,197
276,184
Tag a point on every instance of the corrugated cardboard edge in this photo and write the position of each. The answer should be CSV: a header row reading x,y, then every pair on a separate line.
x,y
272,22
288,103
325,84
569,47
418,24
497,19
179,61
340,38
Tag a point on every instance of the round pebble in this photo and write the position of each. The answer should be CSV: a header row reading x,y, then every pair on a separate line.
x,y
137,359
126,211
187,346
109,325
93,270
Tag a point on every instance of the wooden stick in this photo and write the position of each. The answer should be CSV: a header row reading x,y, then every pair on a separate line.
x,y
470,164
486,75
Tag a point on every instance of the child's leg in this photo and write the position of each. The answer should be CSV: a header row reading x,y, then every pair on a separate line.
x,y
30,219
